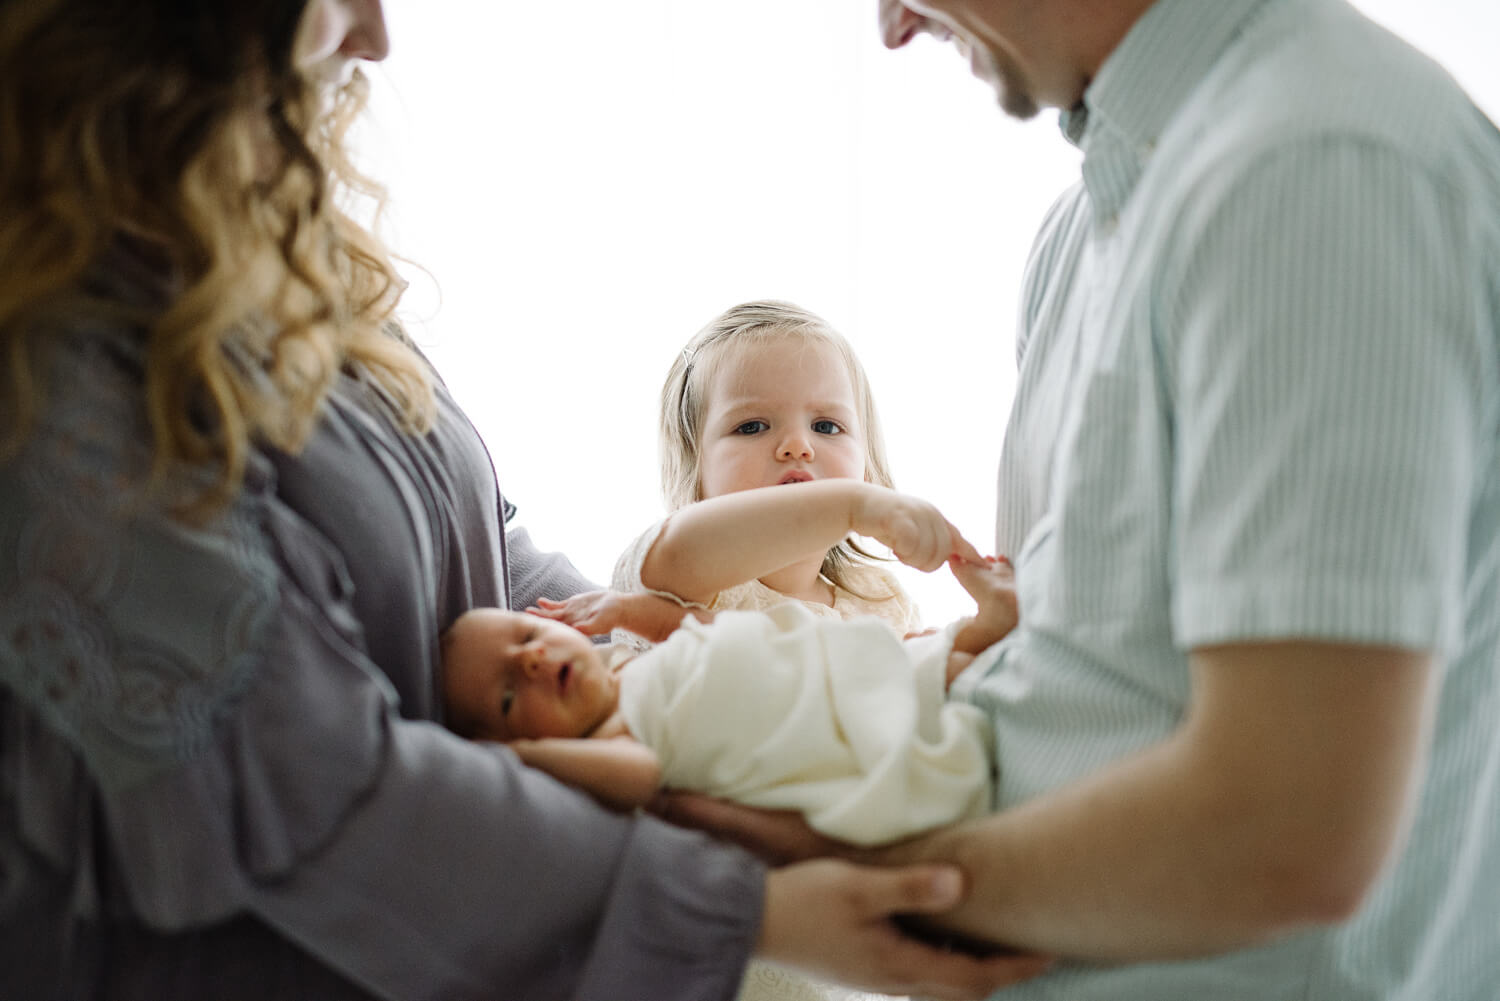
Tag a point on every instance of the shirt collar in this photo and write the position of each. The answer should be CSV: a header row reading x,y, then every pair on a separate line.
x,y
1141,86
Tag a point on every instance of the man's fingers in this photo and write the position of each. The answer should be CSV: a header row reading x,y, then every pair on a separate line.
x,y
933,969
978,977
921,889
843,921
935,972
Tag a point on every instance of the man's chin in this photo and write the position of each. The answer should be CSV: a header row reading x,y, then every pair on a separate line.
x,y
1017,105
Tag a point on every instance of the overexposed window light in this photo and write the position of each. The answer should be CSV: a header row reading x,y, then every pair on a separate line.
x,y
585,191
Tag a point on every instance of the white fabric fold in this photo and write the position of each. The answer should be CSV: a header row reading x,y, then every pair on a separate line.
x,y
840,720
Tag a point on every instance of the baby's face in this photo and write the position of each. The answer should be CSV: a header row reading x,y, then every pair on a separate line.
x,y
509,675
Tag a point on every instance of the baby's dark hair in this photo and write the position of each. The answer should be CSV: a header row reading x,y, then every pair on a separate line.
x,y
449,642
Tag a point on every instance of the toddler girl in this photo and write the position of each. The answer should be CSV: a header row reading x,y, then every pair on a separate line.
x,y
767,395
764,405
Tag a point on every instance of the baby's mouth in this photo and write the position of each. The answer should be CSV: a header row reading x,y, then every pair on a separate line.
x,y
795,476
563,674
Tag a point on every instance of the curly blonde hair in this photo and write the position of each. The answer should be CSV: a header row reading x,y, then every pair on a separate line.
x,y
184,130
684,404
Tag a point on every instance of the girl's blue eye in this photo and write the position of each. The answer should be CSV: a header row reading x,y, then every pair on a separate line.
x,y
827,427
752,427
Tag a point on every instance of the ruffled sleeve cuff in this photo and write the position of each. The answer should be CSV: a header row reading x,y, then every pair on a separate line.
x,y
627,575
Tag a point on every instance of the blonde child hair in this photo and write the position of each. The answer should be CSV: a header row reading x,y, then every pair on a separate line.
x,y
684,404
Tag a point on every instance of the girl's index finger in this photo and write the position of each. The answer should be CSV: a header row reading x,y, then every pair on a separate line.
x,y
962,547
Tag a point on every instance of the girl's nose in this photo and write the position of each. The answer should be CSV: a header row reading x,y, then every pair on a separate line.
x,y
795,447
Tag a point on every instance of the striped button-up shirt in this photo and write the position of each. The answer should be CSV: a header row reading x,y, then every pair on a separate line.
x,y
1258,400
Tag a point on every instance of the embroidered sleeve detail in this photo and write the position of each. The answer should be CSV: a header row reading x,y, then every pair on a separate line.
x,y
126,631
207,677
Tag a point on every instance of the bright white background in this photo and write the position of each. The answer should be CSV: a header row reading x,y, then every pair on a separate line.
x,y
587,183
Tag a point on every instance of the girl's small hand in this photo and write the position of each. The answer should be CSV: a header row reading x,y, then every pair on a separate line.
x,y
914,530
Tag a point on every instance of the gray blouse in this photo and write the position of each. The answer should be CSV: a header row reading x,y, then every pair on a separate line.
x,y
220,768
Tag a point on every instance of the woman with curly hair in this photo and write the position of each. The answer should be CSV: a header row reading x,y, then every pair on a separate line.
x,y
237,511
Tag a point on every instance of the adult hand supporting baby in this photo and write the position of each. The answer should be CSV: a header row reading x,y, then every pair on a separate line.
x,y
777,836
833,919
825,928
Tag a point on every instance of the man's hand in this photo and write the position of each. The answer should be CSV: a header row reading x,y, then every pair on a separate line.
x,y
833,919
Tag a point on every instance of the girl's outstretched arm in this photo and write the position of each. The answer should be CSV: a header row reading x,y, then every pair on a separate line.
x,y
723,541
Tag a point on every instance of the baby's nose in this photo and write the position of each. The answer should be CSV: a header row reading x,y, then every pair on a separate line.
x,y
531,658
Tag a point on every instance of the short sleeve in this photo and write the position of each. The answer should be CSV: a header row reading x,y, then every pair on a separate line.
x,y
627,574
1327,385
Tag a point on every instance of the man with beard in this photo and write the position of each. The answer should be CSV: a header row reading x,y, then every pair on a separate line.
x,y
1245,730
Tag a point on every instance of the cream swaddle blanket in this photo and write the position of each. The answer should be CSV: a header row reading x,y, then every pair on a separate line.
x,y
838,719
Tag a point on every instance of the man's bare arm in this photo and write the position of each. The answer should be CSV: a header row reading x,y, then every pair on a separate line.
x,y
1275,806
